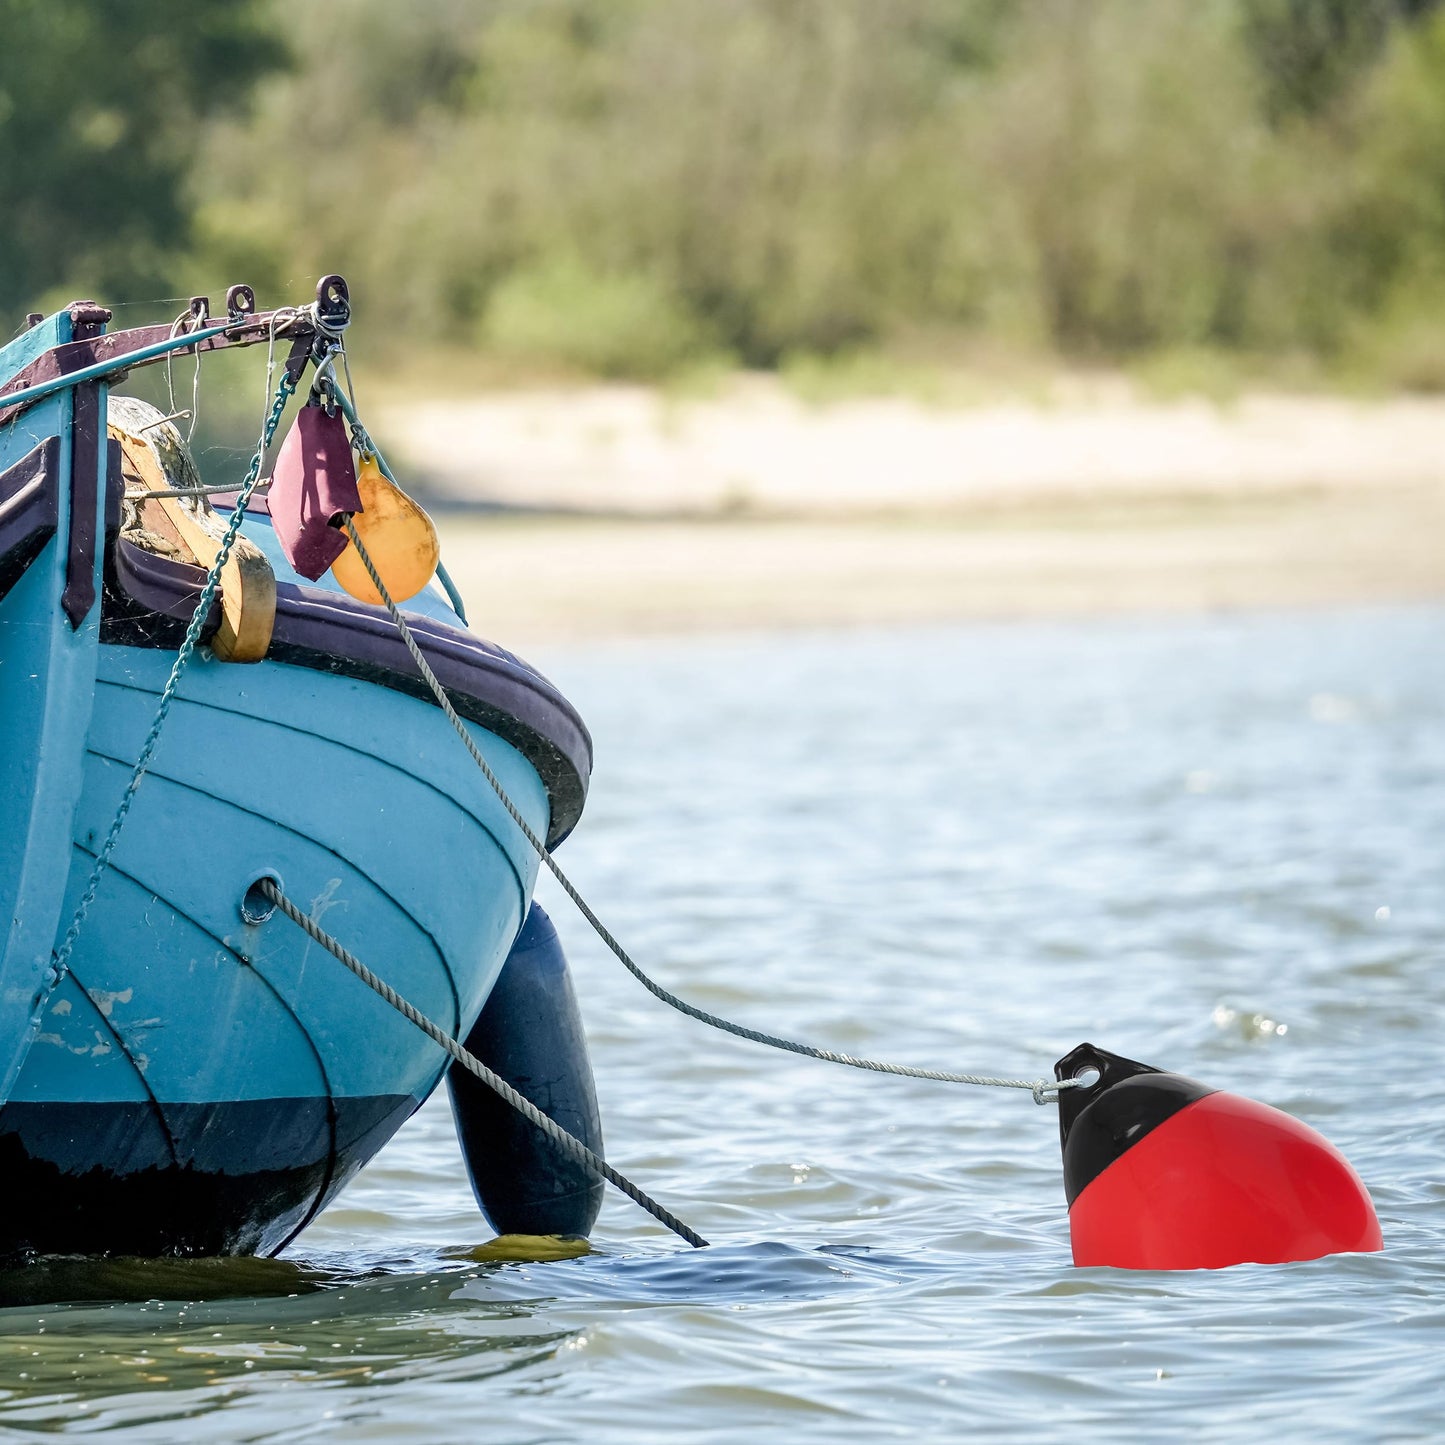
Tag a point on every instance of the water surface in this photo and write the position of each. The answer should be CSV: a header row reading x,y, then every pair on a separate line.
x,y
1215,845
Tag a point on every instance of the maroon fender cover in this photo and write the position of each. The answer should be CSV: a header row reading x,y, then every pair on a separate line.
x,y
312,488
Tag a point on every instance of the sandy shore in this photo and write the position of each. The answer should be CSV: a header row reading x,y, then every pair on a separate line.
x,y
624,512
756,448
529,580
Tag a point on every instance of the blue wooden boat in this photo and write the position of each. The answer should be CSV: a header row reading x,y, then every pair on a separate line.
x,y
199,1080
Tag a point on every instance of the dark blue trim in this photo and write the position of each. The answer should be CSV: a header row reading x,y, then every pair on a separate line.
x,y
29,509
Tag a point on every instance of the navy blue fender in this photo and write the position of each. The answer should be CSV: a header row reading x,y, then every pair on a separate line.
x,y
530,1032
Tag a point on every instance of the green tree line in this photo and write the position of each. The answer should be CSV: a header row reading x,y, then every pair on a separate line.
x,y
627,186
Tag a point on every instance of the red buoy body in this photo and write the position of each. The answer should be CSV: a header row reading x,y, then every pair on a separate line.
x,y
1162,1172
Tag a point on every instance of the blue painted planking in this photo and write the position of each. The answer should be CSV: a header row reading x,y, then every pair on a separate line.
x,y
338,742
74,1039
196,1022
381,848
46,687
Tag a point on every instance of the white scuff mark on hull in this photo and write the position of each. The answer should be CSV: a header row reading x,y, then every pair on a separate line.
x,y
106,999
326,900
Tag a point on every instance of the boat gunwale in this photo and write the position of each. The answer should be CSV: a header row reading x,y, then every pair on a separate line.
x,y
333,632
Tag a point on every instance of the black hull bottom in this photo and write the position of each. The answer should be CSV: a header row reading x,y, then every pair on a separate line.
x,y
180,1179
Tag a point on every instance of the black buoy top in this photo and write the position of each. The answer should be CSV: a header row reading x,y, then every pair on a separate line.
x,y
1099,1121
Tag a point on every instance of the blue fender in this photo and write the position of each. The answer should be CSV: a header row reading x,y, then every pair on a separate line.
x,y
530,1032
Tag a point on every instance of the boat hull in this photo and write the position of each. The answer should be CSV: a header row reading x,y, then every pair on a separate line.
x,y
196,1075
201,1083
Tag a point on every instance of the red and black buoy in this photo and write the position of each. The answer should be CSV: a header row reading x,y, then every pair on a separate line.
x,y
1162,1172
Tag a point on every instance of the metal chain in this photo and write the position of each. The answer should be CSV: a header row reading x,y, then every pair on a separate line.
x,y
1043,1090
60,961
568,1143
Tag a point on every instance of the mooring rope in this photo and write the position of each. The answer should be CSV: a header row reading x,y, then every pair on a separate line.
x,y
1043,1090
568,1143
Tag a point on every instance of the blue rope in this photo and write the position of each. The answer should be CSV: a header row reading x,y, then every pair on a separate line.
x,y
61,959
123,362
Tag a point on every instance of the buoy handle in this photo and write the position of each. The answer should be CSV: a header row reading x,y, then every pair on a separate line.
x,y
1110,1068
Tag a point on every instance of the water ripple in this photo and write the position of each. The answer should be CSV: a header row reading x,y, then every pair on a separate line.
x,y
1215,845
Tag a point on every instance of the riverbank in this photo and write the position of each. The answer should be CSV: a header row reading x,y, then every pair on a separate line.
x,y
617,510
529,579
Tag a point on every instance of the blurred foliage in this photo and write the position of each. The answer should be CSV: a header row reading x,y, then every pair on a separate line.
x,y
635,187
1309,51
617,324
99,105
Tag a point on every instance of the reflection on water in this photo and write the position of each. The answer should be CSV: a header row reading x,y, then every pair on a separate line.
x,y
59,1279
1213,845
